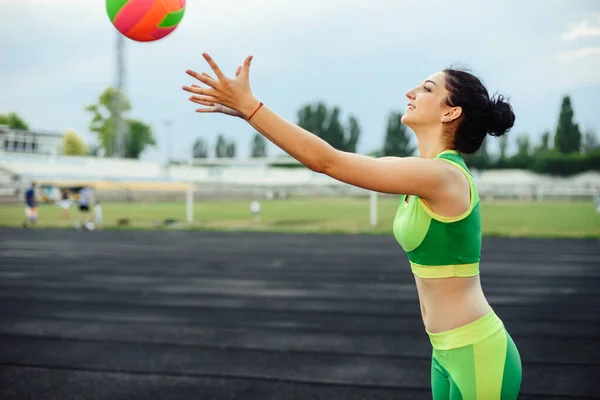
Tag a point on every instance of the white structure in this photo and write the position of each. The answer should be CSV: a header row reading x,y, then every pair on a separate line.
x,y
19,141
258,178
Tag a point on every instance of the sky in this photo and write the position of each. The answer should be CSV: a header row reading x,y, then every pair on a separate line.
x,y
56,56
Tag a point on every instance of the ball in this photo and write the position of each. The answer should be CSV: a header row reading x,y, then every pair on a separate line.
x,y
145,20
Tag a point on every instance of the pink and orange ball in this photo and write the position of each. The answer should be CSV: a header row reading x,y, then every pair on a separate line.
x,y
145,20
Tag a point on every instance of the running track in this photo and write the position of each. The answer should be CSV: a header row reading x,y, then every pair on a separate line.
x,y
179,315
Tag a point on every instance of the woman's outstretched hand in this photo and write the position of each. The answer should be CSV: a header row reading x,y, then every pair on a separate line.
x,y
223,94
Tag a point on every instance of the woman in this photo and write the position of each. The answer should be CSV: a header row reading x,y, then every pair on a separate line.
x,y
438,222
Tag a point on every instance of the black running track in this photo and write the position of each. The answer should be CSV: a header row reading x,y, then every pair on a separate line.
x,y
181,315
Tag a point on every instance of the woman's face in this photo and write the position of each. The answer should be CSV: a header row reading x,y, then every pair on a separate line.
x,y
427,104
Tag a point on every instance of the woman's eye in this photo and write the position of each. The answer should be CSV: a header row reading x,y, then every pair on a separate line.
x,y
425,88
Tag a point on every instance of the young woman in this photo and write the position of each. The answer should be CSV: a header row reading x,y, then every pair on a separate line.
x,y
438,221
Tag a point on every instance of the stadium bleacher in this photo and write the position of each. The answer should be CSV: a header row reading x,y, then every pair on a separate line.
x,y
111,175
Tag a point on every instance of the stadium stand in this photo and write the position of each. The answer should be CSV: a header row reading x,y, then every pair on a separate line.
x,y
121,179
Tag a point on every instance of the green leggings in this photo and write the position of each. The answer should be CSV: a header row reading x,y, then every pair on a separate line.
x,y
478,361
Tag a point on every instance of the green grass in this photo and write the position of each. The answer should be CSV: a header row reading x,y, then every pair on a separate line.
x,y
329,215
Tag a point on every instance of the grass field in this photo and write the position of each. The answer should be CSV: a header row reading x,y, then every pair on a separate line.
x,y
329,215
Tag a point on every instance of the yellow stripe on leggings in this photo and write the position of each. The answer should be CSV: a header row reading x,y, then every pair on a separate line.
x,y
489,357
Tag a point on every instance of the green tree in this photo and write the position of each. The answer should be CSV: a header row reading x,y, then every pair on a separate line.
x,y
107,113
314,118
259,146
139,137
200,148
231,150
326,124
354,134
590,142
544,145
13,121
523,147
503,147
335,130
73,144
568,136
224,148
397,140
481,159
522,159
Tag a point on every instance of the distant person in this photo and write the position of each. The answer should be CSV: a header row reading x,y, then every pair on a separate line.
x,y
65,203
98,214
255,209
438,219
85,195
30,207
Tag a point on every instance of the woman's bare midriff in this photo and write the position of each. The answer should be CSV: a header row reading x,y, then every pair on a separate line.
x,y
448,303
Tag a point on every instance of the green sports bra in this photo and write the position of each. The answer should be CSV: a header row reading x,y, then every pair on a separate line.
x,y
438,246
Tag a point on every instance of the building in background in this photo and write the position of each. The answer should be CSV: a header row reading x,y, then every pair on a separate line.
x,y
20,141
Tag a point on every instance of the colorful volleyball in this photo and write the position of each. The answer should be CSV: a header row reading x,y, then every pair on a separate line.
x,y
145,20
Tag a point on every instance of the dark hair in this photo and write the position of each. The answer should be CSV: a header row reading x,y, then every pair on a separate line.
x,y
480,113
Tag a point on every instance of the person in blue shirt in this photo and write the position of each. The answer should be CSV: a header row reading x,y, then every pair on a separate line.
x,y
30,207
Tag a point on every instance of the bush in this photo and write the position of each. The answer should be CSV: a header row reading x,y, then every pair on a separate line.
x,y
548,162
591,160
559,164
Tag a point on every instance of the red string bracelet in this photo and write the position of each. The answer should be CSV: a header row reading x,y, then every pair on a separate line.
x,y
258,108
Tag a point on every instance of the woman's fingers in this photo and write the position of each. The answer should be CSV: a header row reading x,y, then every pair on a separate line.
x,y
246,67
199,90
204,100
203,77
206,110
214,67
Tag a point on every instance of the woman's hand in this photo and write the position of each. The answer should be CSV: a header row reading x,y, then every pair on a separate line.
x,y
224,95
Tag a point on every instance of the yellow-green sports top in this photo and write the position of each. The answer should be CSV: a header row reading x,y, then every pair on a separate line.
x,y
438,246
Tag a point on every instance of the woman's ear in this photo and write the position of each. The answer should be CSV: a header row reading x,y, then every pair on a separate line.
x,y
452,114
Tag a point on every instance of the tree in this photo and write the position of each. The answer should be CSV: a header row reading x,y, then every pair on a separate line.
x,y
104,118
95,150
200,149
259,146
523,145
397,140
523,157
224,148
326,124
106,115
503,147
590,142
139,137
231,150
354,129
313,118
568,136
481,158
335,131
73,144
544,145
13,121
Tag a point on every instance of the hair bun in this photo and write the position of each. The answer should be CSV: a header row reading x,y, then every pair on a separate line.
x,y
501,117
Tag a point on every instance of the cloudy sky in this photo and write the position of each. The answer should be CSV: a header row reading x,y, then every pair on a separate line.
x,y
56,56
